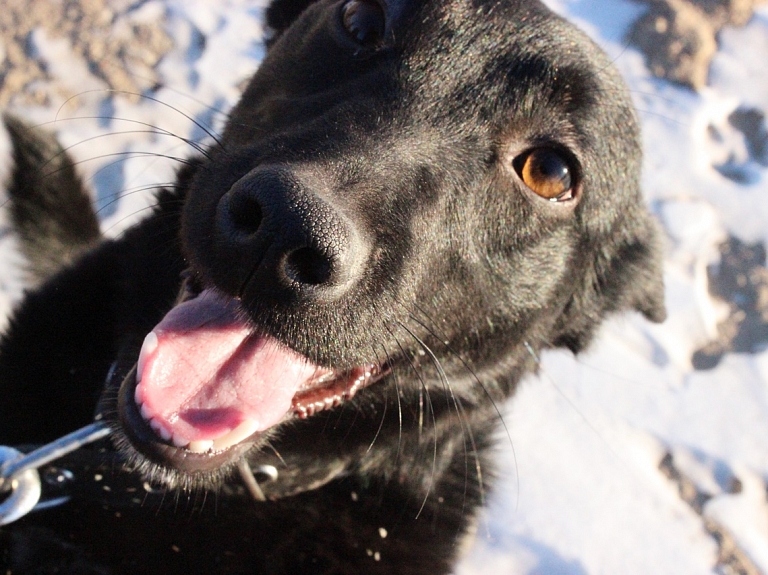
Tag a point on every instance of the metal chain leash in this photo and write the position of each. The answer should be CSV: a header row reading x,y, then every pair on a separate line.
x,y
21,488
20,484
28,483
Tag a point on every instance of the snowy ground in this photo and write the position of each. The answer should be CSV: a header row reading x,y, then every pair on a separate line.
x,y
625,460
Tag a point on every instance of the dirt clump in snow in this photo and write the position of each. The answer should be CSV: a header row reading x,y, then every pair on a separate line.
x,y
679,37
731,558
741,280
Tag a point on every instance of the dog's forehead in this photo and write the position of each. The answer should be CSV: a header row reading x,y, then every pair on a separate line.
x,y
487,60
467,73
480,28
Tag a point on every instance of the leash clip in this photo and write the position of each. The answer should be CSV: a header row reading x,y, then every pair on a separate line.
x,y
19,476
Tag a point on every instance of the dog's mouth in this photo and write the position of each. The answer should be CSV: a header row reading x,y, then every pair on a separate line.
x,y
207,386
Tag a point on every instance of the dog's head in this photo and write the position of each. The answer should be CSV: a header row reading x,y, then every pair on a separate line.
x,y
410,199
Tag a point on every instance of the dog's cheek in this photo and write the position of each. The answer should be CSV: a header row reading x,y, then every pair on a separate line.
x,y
510,267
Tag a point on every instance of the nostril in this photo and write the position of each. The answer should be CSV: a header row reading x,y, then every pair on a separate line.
x,y
308,266
245,212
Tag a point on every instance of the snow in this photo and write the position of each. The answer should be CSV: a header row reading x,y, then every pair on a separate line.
x,y
579,488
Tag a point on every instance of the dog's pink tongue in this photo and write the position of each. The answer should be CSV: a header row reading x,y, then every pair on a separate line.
x,y
207,382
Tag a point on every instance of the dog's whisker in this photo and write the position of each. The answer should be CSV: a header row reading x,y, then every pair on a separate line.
x,y
379,365
269,445
482,386
647,112
126,155
129,217
120,224
148,80
147,97
459,410
126,192
398,393
461,414
422,387
177,500
396,382
459,405
381,425
205,498
154,130
546,376
423,391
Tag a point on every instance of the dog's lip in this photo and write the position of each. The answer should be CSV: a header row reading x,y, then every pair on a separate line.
x,y
144,438
323,388
324,393
335,388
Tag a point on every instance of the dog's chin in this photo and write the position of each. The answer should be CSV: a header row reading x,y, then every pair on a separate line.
x,y
164,462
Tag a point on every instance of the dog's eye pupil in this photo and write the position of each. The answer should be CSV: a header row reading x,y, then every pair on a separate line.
x,y
364,21
547,173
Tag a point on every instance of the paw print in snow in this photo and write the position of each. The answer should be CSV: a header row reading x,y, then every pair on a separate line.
x,y
743,146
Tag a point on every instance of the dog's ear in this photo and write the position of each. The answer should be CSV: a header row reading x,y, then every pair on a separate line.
x,y
50,208
626,274
281,14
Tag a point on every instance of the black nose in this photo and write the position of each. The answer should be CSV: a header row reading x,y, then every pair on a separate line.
x,y
280,230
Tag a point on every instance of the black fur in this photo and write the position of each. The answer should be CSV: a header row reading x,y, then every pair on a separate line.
x,y
364,206
54,220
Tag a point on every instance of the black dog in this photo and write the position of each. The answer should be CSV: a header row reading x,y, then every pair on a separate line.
x,y
410,201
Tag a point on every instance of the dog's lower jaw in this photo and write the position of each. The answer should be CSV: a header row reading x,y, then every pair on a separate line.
x,y
203,467
206,465
412,450
207,387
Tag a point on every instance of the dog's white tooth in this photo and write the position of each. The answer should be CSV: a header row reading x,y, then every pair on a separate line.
x,y
160,429
138,396
148,347
179,441
200,446
146,413
245,429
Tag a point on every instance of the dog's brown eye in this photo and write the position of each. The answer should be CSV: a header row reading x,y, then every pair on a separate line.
x,y
547,173
364,21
